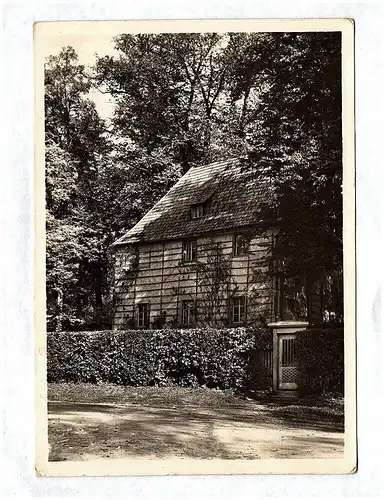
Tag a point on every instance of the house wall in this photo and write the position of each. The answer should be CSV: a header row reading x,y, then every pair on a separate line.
x,y
154,273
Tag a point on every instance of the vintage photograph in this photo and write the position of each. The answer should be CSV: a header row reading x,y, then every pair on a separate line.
x,y
194,248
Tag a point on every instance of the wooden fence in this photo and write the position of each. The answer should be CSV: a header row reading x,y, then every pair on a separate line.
x,y
265,359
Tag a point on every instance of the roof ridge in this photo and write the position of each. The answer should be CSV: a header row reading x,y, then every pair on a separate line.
x,y
217,163
232,196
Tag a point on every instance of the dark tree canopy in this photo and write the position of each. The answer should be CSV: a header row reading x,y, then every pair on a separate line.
x,y
298,146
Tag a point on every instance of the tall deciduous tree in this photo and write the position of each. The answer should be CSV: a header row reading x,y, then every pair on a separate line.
x,y
75,150
171,93
295,141
95,191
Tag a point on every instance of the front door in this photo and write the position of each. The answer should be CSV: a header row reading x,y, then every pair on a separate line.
x,y
288,372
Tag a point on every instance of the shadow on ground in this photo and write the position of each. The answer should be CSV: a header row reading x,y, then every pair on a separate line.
x,y
82,431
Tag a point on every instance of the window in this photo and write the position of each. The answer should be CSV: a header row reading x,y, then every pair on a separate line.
x,y
238,310
189,250
240,244
188,311
142,315
197,211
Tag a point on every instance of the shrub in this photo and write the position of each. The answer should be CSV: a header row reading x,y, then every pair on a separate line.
x,y
260,375
216,358
320,355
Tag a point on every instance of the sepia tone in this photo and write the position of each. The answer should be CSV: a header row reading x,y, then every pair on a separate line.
x,y
196,304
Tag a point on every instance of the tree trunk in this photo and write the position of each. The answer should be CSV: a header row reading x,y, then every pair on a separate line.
x,y
59,316
98,287
313,300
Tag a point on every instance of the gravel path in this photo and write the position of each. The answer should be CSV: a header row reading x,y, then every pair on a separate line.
x,y
240,430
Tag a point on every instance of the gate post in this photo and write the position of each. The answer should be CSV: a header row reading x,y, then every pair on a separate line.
x,y
279,328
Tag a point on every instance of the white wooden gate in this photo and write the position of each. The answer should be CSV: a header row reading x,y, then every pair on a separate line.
x,y
288,372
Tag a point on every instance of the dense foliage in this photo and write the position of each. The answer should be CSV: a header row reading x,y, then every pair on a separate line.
x,y
216,358
298,146
320,355
75,156
210,357
273,99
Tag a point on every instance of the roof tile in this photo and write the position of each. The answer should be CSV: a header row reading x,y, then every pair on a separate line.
x,y
234,196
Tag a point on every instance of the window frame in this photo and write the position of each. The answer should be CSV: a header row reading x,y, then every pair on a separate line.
x,y
197,211
238,303
190,310
236,252
189,256
144,315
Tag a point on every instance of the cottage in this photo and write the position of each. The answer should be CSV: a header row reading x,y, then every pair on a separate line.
x,y
197,259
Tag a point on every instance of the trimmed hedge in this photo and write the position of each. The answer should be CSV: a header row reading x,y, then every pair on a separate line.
x,y
216,358
320,355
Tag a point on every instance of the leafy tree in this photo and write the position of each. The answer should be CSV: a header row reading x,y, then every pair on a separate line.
x,y
171,92
63,248
71,119
94,194
75,150
294,141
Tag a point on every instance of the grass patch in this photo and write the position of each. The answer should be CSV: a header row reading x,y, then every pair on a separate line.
x,y
146,396
184,397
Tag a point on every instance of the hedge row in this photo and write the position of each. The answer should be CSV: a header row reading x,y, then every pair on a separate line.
x,y
320,355
217,358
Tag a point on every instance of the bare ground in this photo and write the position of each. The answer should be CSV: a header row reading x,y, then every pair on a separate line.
x,y
91,422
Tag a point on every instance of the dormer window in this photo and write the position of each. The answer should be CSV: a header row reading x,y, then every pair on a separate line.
x,y
197,211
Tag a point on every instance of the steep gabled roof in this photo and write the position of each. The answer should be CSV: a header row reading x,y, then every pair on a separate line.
x,y
234,198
